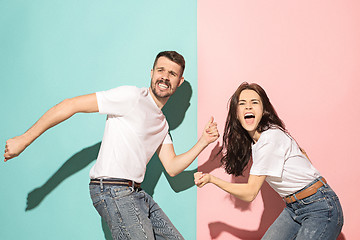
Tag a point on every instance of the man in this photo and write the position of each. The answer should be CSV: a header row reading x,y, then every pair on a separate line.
x,y
135,129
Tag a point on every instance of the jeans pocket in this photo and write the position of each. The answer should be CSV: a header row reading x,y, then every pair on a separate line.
x,y
96,196
317,197
339,211
121,191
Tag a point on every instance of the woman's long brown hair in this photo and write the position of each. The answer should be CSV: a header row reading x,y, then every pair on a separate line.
x,y
236,140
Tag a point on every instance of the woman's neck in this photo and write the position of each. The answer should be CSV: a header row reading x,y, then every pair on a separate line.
x,y
255,135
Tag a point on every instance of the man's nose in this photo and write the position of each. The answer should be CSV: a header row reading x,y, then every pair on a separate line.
x,y
165,76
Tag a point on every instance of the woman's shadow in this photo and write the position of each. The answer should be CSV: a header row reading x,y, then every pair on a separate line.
x,y
273,205
174,110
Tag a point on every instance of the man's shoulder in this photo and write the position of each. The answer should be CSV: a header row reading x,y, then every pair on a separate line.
x,y
143,91
122,93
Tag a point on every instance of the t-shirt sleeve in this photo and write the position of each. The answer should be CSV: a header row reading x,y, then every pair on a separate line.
x,y
117,101
167,139
269,158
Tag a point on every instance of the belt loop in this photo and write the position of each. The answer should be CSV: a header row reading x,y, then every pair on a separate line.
x,y
132,185
296,199
321,179
101,184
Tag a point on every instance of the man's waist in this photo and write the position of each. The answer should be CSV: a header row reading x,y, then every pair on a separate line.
x,y
115,181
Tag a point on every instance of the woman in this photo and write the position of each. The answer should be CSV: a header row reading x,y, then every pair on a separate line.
x,y
254,132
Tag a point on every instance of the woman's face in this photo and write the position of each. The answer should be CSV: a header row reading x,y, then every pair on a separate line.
x,y
249,111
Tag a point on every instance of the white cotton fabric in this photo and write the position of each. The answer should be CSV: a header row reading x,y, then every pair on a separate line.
x,y
135,127
277,155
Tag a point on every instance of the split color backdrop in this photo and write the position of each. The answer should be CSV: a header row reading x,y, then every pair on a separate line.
x,y
304,53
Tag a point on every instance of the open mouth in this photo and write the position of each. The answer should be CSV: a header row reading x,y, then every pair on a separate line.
x,y
249,116
163,84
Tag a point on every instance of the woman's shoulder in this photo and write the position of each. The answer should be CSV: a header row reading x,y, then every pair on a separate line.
x,y
275,134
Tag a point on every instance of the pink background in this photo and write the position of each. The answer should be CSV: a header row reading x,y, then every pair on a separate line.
x,y
306,54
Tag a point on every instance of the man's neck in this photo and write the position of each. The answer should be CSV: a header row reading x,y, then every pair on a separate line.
x,y
160,102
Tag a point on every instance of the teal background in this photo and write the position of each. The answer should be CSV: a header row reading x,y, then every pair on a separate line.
x,y
51,50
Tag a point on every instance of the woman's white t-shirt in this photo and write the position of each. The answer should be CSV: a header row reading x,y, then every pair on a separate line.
x,y
277,155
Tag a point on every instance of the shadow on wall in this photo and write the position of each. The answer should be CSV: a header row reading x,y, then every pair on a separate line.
x,y
174,110
273,205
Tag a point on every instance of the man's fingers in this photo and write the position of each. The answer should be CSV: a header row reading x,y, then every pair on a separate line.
x,y
211,119
210,122
6,156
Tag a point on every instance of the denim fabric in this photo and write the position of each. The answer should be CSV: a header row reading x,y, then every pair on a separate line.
x,y
318,216
131,214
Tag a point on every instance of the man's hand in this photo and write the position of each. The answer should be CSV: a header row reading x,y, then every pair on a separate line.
x,y
14,147
210,133
201,179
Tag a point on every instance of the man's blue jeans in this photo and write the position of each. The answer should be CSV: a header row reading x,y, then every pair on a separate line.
x,y
318,216
131,213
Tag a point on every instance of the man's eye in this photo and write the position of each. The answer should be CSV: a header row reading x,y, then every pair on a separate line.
x,y
241,103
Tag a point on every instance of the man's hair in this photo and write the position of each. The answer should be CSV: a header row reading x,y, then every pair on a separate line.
x,y
172,56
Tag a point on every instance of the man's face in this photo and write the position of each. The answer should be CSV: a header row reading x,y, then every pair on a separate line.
x,y
165,77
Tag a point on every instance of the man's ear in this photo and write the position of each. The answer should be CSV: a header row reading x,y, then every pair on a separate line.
x,y
181,81
151,73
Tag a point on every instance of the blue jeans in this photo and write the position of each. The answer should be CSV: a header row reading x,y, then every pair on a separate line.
x,y
318,216
131,213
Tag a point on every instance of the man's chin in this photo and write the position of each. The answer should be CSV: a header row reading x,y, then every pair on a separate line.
x,y
161,94
164,95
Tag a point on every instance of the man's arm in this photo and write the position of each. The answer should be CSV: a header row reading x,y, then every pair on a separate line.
x,y
175,164
54,116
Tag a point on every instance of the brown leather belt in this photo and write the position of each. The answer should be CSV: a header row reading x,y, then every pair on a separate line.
x,y
121,182
307,192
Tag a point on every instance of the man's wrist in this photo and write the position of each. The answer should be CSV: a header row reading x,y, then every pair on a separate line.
x,y
203,142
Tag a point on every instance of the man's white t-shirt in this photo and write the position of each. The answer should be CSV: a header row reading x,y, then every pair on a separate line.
x,y
135,127
277,155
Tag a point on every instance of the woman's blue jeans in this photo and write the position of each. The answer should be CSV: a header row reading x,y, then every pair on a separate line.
x,y
318,216
131,213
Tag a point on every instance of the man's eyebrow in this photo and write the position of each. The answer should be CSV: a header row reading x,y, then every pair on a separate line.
x,y
172,72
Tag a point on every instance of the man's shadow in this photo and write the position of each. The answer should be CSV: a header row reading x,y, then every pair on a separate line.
x,y
273,204
174,110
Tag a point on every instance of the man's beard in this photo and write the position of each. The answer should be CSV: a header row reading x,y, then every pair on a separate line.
x,y
160,95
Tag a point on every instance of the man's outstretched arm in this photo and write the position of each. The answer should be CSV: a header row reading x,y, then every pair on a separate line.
x,y
175,164
54,116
